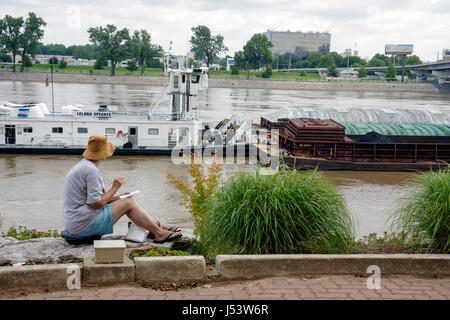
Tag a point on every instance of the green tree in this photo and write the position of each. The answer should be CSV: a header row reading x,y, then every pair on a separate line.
x,y
205,46
313,60
142,50
100,62
256,53
26,61
379,60
326,61
332,71
10,36
412,60
390,72
113,42
53,60
362,72
85,52
62,64
33,32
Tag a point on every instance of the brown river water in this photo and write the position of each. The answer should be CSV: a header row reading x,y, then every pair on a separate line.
x,y
31,186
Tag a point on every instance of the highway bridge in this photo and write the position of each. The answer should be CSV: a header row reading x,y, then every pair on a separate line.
x,y
437,70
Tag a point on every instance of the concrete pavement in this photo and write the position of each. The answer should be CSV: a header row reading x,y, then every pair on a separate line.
x,y
286,288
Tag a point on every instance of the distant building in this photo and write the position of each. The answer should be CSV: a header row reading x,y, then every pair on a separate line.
x,y
298,43
230,63
349,53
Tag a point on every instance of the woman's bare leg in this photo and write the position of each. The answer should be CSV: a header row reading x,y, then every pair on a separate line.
x,y
133,210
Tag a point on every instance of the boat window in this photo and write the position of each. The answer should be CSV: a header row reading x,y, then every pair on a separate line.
x,y
175,81
132,132
153,131
183,78
57,130
28,129
82,130
195,79
110,131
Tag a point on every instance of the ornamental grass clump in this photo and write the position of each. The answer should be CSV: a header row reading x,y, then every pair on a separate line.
x,y
424,215
288,212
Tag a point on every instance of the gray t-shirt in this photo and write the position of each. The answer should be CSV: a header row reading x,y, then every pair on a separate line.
x,y
83,186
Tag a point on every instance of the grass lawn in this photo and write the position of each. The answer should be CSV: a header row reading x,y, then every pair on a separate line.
x,y
120,71
276,76
156,72
213,74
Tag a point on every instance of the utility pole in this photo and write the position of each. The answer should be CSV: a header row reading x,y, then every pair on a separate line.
x,y
290,54
53,97
403,67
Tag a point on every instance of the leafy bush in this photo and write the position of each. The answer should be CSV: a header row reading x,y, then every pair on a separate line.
x,y
424,214
4,57
302,74
197,198
333,71
234,70
391,73
23,233
27,61
62,64
267,73
132,66
362,72
53,60
288,212
100,62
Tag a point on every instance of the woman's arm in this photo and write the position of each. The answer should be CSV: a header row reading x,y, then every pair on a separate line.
x,y
108,196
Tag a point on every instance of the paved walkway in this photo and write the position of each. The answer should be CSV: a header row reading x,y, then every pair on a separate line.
x,y
330,287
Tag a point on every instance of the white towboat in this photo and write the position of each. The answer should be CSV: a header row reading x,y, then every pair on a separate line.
x,y
33,129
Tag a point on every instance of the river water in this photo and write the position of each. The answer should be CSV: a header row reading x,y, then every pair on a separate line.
x,y
31,186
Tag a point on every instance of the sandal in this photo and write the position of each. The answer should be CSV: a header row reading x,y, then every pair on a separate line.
x,y
168,239
174,229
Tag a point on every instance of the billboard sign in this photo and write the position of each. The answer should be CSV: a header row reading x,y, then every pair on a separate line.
x,y
398,48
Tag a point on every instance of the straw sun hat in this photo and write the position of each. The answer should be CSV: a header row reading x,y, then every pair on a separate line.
x,y
98,148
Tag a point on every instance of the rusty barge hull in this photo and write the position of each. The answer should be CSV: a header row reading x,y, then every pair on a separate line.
x,y
323,143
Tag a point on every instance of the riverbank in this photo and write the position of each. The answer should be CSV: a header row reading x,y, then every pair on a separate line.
x,y
231,83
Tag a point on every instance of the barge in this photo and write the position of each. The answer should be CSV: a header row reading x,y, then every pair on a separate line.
x,y
306,142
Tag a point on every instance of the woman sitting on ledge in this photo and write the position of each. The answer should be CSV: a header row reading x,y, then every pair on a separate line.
x,y
90,211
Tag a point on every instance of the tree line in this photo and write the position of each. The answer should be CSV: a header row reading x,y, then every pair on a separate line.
x,y
111,44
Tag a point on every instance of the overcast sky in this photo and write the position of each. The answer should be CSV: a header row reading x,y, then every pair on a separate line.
x,y
369,24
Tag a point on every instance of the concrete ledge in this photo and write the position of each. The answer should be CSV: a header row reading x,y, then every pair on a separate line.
x,y
38,276
161,269
107,273
259,266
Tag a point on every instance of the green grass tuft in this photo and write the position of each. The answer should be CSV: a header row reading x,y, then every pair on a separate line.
x,y
288,212
424,215
23,233
159,252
